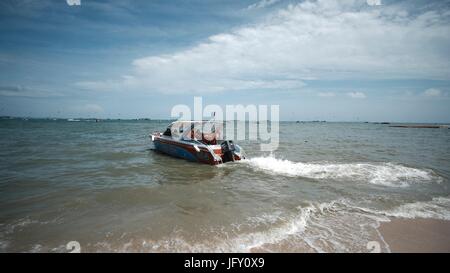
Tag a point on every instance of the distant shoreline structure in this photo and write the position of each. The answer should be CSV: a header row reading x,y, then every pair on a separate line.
x,y
424,126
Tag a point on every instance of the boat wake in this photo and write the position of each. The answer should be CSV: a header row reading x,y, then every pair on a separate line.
x,y
386,174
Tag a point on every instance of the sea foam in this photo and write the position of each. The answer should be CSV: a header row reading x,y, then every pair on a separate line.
x,y
437,208
334,226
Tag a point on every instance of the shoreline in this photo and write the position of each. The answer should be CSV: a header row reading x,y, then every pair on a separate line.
x,y
416,235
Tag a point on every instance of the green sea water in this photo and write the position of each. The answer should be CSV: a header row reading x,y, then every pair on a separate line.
x,y
325,189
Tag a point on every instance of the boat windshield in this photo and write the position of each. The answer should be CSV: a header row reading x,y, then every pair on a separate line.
x,y
207,132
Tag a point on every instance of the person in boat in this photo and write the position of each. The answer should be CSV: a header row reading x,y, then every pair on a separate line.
x,y
193,133
208,138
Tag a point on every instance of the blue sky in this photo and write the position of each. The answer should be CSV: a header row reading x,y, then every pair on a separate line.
x,y
351,60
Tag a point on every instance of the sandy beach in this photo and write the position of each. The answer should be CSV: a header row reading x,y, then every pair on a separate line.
x,y
417,235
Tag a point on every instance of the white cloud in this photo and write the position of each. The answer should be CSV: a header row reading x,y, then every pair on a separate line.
x,y
373,2
432,92
356,95
262,4
326,94
311,40
73,2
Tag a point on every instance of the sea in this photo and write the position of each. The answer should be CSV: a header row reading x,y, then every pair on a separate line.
x,y
82,185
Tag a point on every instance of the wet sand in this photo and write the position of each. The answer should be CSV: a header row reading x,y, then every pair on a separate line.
x,y
417,235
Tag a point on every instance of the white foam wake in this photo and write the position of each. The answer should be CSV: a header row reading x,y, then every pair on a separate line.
x,y
387,174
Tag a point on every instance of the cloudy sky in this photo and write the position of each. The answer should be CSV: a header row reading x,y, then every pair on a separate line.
x,y
352,60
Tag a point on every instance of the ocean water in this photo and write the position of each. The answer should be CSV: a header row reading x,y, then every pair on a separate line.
x,y
326,188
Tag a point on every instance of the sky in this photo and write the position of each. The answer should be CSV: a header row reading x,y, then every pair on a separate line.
x,y
349,60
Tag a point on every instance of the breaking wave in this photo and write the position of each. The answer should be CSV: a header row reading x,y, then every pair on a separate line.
x,y
332,226
278,229
317,227
386,174
437,208
335,226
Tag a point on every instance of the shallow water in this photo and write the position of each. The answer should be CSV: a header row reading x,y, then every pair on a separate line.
x,y
326,188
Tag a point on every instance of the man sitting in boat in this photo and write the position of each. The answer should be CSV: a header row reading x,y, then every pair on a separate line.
x,y
210,138
206,138
190,131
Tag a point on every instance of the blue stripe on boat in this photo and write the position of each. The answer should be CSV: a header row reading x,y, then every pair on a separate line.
x,y
174,150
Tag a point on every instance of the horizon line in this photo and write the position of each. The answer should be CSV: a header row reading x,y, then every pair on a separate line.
x,y
173,119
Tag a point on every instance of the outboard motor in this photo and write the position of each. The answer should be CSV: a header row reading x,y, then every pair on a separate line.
x,y
227,150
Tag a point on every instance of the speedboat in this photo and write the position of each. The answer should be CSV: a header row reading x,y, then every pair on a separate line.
x,y
198,141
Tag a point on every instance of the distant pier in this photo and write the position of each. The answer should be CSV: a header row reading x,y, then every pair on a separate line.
x,y
421,126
